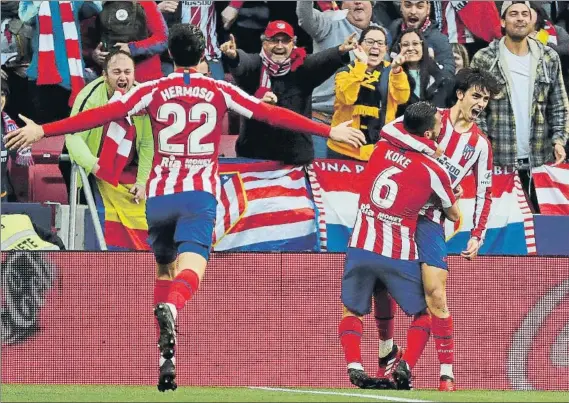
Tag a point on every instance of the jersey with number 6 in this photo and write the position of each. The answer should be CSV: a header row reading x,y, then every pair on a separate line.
x,y
396,184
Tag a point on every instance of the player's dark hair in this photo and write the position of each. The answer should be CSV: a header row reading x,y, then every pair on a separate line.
x,y
186,44
115,52
419,117
478,79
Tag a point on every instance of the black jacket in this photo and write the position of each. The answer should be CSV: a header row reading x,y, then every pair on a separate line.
x,y
294,91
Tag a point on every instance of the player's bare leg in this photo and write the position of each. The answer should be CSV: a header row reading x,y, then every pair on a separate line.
x,y
434,282
188,275
389,353
350,331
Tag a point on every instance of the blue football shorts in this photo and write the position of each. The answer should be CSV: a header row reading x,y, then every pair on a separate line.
x,y
364,271
430,239
181,222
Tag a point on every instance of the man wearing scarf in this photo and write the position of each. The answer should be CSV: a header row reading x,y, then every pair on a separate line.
x,y
416,16
284,75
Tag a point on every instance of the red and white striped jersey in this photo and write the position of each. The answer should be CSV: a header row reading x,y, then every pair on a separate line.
x,y
396,184
453,26
202,14
465,152
186,110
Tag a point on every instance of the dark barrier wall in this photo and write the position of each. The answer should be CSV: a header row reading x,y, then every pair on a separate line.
x,y
269,320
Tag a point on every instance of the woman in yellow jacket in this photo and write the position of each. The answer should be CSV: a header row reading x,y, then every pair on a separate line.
x,y
368,91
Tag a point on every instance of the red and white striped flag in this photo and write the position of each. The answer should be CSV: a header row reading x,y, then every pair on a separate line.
x,y
552,187
278,209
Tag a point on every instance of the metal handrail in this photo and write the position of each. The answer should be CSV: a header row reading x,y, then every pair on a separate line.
x,y
73,206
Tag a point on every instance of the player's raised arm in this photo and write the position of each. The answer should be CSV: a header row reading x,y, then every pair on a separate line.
x,y
131,102
252,108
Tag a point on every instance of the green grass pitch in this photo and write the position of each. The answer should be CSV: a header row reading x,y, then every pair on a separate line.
x,y
107,393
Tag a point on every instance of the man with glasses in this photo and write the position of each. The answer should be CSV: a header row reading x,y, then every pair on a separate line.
x,y
284,75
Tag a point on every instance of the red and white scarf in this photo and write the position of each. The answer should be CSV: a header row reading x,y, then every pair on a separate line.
x,y
47,66
117,145
423,28
271,69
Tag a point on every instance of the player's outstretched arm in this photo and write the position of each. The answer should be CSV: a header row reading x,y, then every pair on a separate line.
x,y
32,132
287,119
252,108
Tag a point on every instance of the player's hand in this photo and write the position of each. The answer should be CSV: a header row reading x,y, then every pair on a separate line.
x,y
344,133
139,193
472,248
350,43
123,46
25,136
432,53
361,55
229,48
270,98
99,55
168,6
560,155
458,192
228,16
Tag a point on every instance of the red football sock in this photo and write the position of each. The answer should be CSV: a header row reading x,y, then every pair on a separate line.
x,y
384,310
417,337
350,331
184,286
161,289
444,343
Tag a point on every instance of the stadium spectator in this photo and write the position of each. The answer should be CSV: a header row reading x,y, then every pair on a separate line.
x,y
416,16
284,75
202,14
56,69
532,76
382,255
554,36
330,29
23,157
472,24
368,92
124,193
461,58
427,81
136,27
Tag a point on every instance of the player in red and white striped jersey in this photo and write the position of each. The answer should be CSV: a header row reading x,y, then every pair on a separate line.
x,y
465,149
186,110
382,254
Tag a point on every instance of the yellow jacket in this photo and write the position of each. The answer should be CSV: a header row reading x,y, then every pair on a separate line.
x,y
346,107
